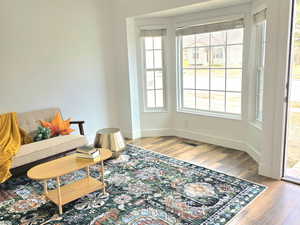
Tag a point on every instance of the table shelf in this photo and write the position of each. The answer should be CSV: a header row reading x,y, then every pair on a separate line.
x,y
76,190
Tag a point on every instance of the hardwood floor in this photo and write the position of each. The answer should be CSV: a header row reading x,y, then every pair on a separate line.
x,y
278,205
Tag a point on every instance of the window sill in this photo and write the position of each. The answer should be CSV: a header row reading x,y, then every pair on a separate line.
x,y
256,124
155,111
211,114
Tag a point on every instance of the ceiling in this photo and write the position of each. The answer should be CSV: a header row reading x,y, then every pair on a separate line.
x,y
198,7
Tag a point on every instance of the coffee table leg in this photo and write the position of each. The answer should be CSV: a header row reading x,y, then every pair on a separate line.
x,y
88,171
59,195
102,176
45,187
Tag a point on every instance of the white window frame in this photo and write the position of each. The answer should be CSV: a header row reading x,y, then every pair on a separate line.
x,y
180,108
144,77
259,67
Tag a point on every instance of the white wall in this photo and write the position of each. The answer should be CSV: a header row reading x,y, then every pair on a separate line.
x,y
58,53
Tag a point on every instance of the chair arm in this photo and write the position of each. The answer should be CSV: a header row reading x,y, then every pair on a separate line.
x,y
80,125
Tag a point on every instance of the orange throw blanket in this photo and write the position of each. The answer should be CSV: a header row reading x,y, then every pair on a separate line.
x,y
10,143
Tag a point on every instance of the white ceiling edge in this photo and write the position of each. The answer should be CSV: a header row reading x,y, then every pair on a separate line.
x,y
199,7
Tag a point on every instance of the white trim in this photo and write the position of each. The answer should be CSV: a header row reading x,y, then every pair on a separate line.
x,y
143,71
190,21
201,137
127,134
153,32
157,132
276,68
259,70
256,124
211,114
253,152
258,8
211,27
131,134
180,88
260,16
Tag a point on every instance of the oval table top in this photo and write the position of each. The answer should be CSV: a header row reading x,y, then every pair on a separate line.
x,y
64,165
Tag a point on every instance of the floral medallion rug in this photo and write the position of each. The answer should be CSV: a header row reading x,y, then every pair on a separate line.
x,y
144,188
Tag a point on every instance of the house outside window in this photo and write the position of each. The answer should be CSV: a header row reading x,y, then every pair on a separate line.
x,y
210,68
260,27
153,70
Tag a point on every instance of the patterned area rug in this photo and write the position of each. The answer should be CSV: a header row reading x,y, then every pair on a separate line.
x,y
145,188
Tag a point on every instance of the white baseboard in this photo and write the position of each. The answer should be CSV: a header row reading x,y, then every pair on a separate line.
x,y
157,132
197,136
253,152
131,134
201,137
127,134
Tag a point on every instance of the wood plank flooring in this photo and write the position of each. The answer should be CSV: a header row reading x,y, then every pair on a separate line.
x,y
278,205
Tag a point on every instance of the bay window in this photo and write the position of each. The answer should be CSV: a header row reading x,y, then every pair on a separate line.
x,y
153,69
210,59
260,27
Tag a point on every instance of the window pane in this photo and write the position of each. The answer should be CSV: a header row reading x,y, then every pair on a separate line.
x,y
158,80
218,38
150,80
217,79
233,103
235,36
259,116
189,78
150,99
202,40
148,43
235,56
202,100
202,79
202,57
157,42
234,80
158,59
188,41
188,57
154,73
189,99
212,66
159,98
217,101
218,57
260,54
149,59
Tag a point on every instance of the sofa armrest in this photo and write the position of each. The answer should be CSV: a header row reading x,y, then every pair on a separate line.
x,y
80,125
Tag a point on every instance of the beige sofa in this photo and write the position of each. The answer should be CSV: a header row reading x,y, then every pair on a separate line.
x,y
36,151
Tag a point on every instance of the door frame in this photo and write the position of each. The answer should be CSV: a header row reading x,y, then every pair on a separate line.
x,y
287,98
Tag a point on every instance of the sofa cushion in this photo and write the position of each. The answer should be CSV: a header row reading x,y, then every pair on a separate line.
x,y
29,121
43,149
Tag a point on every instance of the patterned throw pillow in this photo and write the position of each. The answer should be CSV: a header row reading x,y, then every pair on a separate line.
x,y
58,126
25,137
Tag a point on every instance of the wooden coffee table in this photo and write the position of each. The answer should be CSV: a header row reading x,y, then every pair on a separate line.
x,y
68,164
